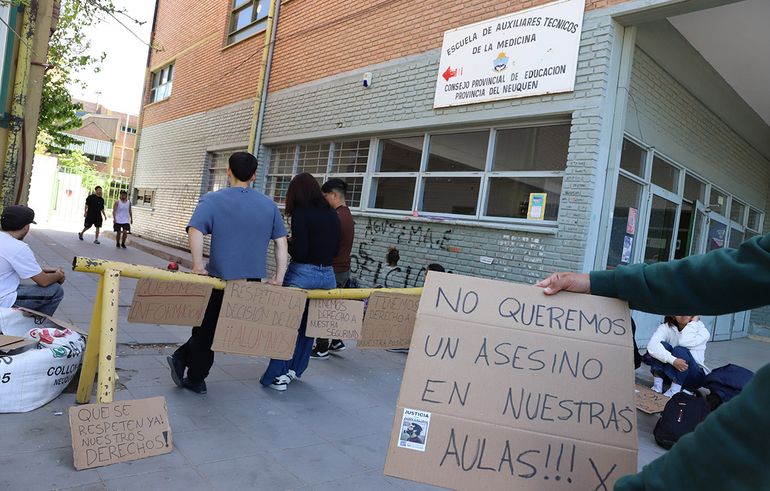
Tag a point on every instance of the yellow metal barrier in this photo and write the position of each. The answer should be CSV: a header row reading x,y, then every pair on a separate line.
x,y
103,333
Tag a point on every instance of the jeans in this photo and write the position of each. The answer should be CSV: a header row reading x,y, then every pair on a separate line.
x,y
322,344
44,299
310,277
691,379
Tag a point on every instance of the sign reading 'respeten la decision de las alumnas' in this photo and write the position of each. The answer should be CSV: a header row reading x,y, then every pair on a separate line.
x,y
527,53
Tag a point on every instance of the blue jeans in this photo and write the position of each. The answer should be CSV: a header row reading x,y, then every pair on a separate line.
x,y
690,379
44,299
309,277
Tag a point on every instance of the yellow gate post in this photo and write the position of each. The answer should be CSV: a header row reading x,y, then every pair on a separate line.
x,y
88,371
109,335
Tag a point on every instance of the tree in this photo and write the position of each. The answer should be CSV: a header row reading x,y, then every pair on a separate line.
x,y
69,56
76,162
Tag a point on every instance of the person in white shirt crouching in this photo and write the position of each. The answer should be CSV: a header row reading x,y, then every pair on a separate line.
x,y
678,348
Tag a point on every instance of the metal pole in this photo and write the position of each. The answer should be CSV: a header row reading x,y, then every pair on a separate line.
x,y
91,356
109,335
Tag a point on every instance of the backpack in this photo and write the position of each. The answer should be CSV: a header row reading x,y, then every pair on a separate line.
x,y
680,416
726,382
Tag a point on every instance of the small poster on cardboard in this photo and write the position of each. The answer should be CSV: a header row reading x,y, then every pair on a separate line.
x,y
105,434
176,303
389,321
633,214
414,429
536,208
334,318
258,319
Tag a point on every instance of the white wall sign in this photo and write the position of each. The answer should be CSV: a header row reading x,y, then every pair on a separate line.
x,y
528,53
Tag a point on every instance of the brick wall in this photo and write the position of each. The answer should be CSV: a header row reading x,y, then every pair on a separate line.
x,y
207,73
320,39
400,98
172,160
665,115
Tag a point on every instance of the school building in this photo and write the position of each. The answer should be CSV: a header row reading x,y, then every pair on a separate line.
x,y
576,135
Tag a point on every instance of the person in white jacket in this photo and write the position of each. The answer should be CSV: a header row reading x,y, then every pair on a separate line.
x,y
678,348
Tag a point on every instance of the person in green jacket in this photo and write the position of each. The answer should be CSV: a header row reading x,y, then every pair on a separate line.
x,y
731,448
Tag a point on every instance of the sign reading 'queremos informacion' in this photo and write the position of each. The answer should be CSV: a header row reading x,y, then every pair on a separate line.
x,y
532,52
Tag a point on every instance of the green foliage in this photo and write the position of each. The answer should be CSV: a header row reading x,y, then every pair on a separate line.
x,y
76,162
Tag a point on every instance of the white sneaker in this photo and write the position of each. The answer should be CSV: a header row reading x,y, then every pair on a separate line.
x,y
657,385
670,392
292,375
280,383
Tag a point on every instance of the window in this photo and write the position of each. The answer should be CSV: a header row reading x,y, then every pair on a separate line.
x,y
248,17
754,223
144,197
349,161
280,172
95,158
633,158
694,189
665,175
218,163
127,129
624,226
737,211
718,201
162,80
395,182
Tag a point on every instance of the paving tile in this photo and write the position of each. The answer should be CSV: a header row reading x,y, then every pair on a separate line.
x,y
178,479
214,444
259,471
316,464
43,470
172,460
374,481
368,450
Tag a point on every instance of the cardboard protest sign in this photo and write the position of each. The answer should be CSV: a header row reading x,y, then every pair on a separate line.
x,y
649,401
334,318
505,388
389,321
176,303
259,319
104,434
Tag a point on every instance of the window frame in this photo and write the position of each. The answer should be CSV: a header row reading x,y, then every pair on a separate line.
x,y
256,25
135,198
156,83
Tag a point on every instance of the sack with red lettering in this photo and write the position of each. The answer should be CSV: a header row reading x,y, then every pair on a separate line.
x,y
34,377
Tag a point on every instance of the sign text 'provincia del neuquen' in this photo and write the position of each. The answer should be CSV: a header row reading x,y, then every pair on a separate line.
x,y
532,52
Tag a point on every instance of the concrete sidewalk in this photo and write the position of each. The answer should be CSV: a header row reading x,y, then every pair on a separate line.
x,y
328,431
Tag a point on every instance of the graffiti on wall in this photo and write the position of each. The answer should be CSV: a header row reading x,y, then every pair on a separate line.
x,y
367,261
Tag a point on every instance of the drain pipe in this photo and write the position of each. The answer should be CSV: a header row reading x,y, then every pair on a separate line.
x,y
255,135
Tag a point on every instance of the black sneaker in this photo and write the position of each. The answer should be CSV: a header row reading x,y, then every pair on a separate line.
x,y
337,345
177,370
123,246
80,236
97,241
117,244
319,355
197,387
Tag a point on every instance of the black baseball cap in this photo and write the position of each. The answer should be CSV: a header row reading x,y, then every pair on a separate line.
x,y
16,217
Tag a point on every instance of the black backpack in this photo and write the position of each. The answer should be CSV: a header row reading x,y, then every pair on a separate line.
x,y
680,416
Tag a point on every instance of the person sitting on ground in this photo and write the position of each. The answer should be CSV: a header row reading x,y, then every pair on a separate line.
x,y
17,262
315,242
677,349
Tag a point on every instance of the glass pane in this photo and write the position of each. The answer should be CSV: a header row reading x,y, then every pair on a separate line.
x,y
155,79
624,222
661,230
401,155
718,202
276,188
239,3
394,193
684,236
737,211
350,156
263,8
355,187
694,189
171,72
753,222
460,152
665,175
716,237
509,196
164,75
218,180
282,160
455,195
633,158
313,158
736,238
242,18
525,149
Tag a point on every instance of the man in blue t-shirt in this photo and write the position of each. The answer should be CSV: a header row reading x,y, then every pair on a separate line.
x,y
241,222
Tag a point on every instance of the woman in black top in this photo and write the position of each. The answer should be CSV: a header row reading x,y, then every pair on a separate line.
x,y
315,240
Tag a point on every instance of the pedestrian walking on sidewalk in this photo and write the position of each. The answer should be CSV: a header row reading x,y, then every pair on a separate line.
x,y
94,213
335,191
315,241
242,222
17,262
122,218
